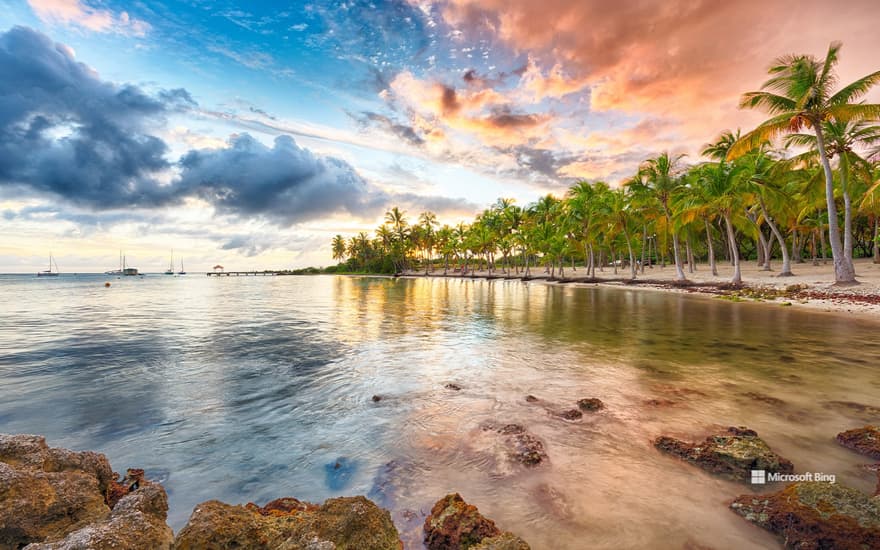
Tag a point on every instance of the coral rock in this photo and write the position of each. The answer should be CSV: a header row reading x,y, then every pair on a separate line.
x,y
456,525
352,523
591,404
813,515
732,454
60,499
862,440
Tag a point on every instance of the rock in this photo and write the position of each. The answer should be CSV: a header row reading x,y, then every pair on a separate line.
x,y
862,440
504,541
348,523
531,399
136,522
56,498
731,454
456,525
453,387
337,474
570,414
377,398
522,447
764,398
591,404
813,515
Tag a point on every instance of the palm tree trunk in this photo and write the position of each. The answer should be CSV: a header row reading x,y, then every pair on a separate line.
x,y
689,253
786,259
632,258
737,275
844,273
644,245
712,265
679,272
822,244
847,209
813,247
877,239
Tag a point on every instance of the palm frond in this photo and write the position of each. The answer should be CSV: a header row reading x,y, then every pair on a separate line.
x,y
827,78
854,91
801,140
854,112
772,103
757,137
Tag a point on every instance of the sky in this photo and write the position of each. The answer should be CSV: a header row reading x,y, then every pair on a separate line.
x,y
249,133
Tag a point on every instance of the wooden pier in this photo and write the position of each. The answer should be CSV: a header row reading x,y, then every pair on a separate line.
x,y
244,273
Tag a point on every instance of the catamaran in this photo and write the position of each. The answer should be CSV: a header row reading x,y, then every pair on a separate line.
x,y
50,272
170,270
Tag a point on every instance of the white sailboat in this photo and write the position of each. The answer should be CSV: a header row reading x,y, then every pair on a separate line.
x,y
182,271
50,272
170,270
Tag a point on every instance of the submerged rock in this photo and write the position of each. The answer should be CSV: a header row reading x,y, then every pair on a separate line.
x,y
591,404
349,523
338,474
56,498
522,447
813,515
862,440
570,414
531,399
453,387
456,525
377,398
731,454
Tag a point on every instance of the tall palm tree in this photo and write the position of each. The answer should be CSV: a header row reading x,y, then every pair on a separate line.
x,y
800,95
842,140
722,186
659,178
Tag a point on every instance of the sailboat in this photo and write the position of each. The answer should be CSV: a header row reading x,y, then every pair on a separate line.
x,y
182,271
49,272
123,269
170,270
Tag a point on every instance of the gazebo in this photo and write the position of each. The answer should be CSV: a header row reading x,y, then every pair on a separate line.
x,y
218,268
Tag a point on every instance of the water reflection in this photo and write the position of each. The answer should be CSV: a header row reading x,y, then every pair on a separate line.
x,y
254,388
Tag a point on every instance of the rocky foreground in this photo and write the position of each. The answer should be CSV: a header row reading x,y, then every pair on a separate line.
x,y
55,499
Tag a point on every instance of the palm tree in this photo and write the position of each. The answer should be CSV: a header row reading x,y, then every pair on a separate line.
x,y
722,186
799,95
339,248
843,138
658,178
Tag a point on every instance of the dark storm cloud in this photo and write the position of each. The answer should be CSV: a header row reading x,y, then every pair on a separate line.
x,y
285,183
66,132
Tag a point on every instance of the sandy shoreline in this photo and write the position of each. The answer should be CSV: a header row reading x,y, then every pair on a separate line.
x,y
811,286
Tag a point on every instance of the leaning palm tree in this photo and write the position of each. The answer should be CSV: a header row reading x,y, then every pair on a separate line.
x,y
799,95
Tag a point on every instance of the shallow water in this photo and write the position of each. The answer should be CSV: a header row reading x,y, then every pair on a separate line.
x,y
248,389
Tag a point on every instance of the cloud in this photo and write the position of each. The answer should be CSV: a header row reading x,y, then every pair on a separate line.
x,y
75,12
285,183
74,135
95,145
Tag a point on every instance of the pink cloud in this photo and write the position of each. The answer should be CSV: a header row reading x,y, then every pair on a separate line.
x,y
75,12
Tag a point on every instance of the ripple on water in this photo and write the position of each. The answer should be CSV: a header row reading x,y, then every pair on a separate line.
x,y
256,388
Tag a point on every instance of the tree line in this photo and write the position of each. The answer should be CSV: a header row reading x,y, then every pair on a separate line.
x,y
804,182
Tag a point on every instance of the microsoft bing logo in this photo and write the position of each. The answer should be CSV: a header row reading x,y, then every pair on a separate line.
x,y
759,477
